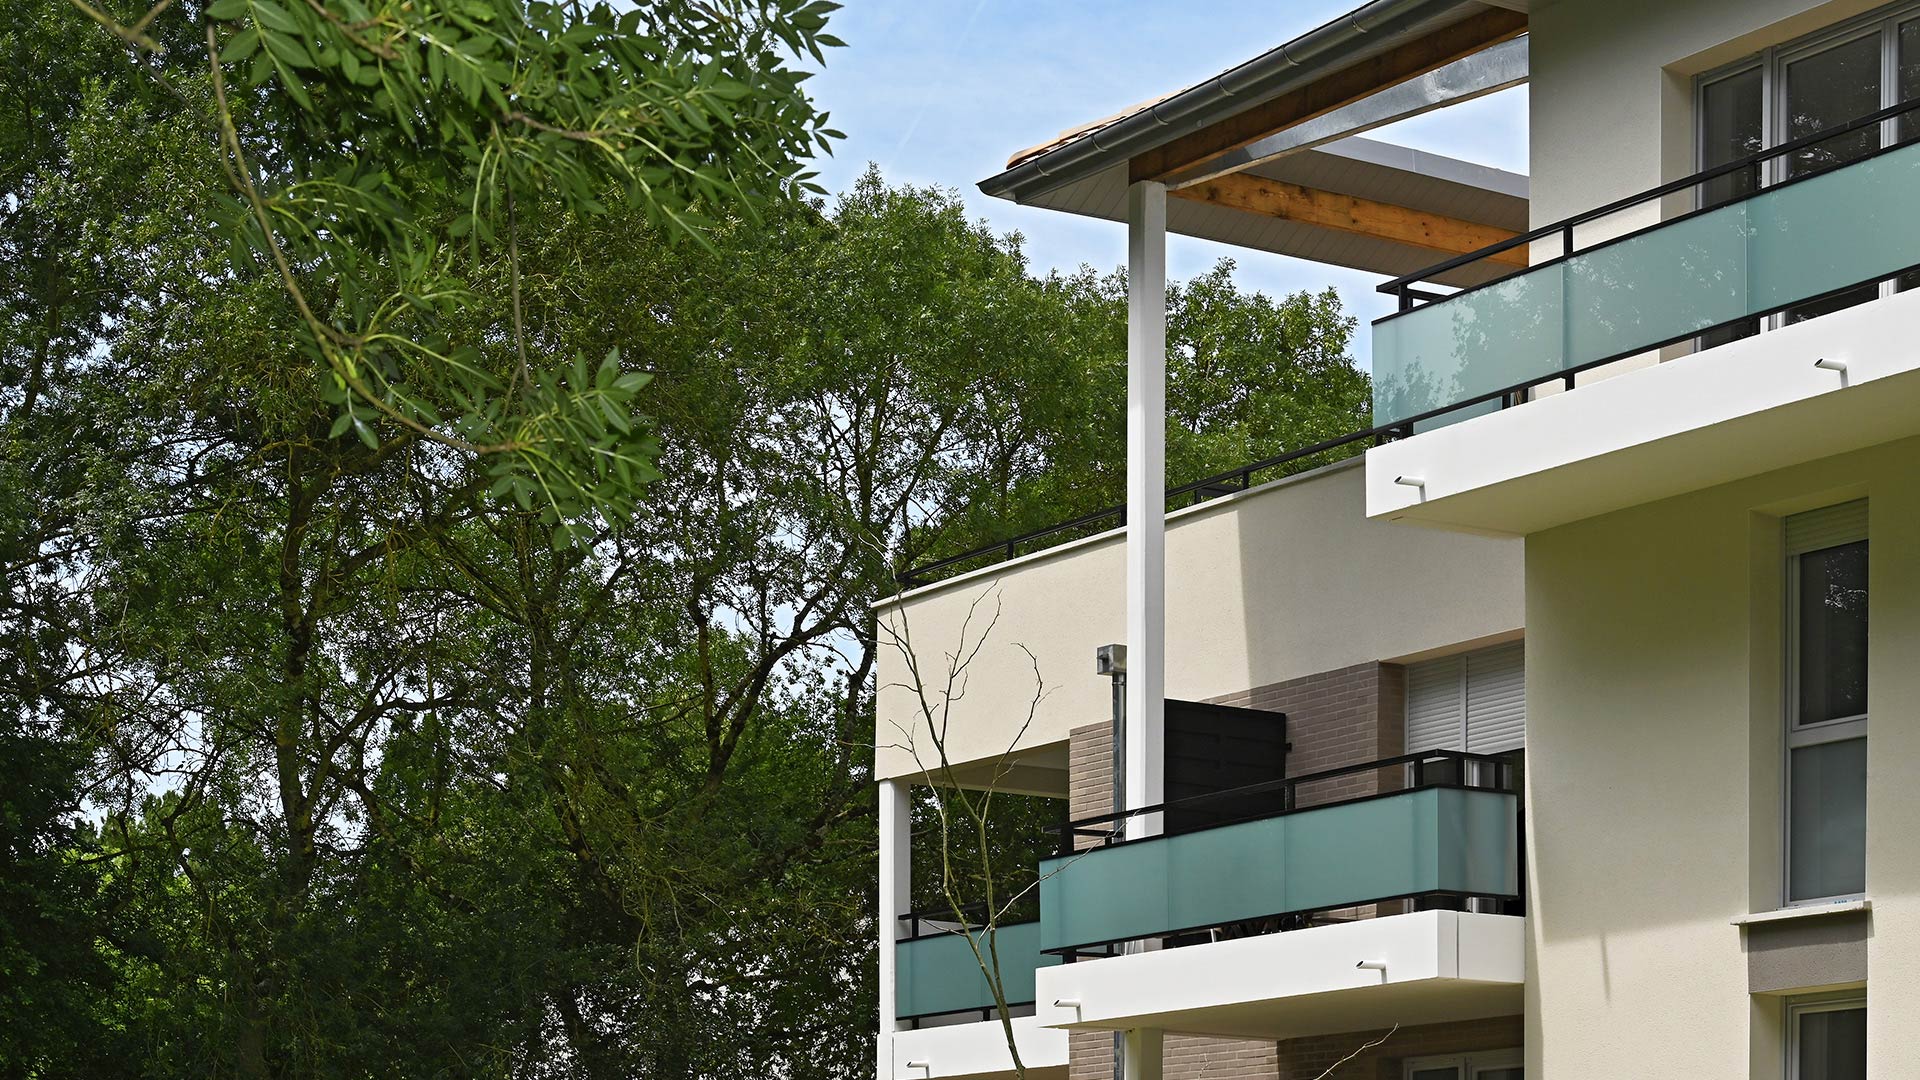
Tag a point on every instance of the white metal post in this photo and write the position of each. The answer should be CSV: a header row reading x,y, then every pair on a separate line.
x,y
1146,499
1145,1053
896,870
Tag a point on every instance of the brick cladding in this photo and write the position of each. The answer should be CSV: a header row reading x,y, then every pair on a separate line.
x,y
1185,1057
1345,717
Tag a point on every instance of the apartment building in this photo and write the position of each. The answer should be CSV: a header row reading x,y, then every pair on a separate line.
x,y
1554,735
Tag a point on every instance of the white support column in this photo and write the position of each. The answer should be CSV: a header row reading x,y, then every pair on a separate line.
x,y
1146,1051
1146,499
896,870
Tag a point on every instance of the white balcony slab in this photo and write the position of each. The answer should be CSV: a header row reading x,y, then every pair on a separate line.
x,y
1433,966
1737,410
978,1051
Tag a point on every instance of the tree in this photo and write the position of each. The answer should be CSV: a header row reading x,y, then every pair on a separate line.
x,y
368,769
375,150
980,845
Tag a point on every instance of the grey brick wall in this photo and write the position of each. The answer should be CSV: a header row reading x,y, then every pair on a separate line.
x,y
1089,774
1185,1057
1344,717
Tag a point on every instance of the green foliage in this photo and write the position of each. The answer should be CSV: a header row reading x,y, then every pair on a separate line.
x,y
375,150
329,761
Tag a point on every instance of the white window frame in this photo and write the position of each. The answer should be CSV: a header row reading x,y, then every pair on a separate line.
x,y
1839,729
1469,1064
1801,1007
1773,61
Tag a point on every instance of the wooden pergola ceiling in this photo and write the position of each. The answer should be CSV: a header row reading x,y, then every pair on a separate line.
x,y
1352,214
1328,209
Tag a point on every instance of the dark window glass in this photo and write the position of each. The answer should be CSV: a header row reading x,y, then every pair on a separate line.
x,y
1906,86
1837,302
1833,1045
1833,633
1730,129
1828,817
1826,90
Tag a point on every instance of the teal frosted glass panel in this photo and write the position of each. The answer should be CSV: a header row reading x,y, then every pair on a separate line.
x,y
1474,344
1102,894
1421,841
1478,839
1365,850
1839,228
940,975
1667,283
1850,225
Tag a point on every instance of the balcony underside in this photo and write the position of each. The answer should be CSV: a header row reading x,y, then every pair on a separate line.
x,y
1741,409
978,1051
1439,966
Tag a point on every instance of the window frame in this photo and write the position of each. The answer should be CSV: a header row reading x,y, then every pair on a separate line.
x,y
1796,736
1800,1007
1510,1058
1772,62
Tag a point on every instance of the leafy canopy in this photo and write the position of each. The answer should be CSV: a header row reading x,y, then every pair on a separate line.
x,y
375,150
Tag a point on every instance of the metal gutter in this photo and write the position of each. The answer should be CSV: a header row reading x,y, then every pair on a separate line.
x,y
1276,71
1498,68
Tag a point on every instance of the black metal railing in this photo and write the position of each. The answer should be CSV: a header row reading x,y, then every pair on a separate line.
x,y
1411,296
1402,775
1231,482
1413,772
944,919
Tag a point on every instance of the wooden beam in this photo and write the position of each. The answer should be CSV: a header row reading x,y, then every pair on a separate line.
x,y
1343,87
1352,214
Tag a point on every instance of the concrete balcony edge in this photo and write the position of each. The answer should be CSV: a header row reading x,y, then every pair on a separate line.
x,y
1737,410
978,1051
1421,967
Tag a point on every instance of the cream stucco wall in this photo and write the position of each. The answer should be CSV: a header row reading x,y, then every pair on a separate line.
x,y
1288,579
1653,716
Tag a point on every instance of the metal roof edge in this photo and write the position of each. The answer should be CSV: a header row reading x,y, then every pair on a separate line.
x,y
1273,72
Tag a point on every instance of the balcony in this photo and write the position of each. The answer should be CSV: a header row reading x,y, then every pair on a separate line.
x,y
945,999
937,975
1380,890
1450,367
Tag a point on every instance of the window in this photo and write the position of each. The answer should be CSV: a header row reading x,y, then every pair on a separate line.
x,y
1826,714
1488,1065
1802,89
1826,1039
1474,701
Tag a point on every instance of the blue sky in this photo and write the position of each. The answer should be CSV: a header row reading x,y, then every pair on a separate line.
x,y
942,91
